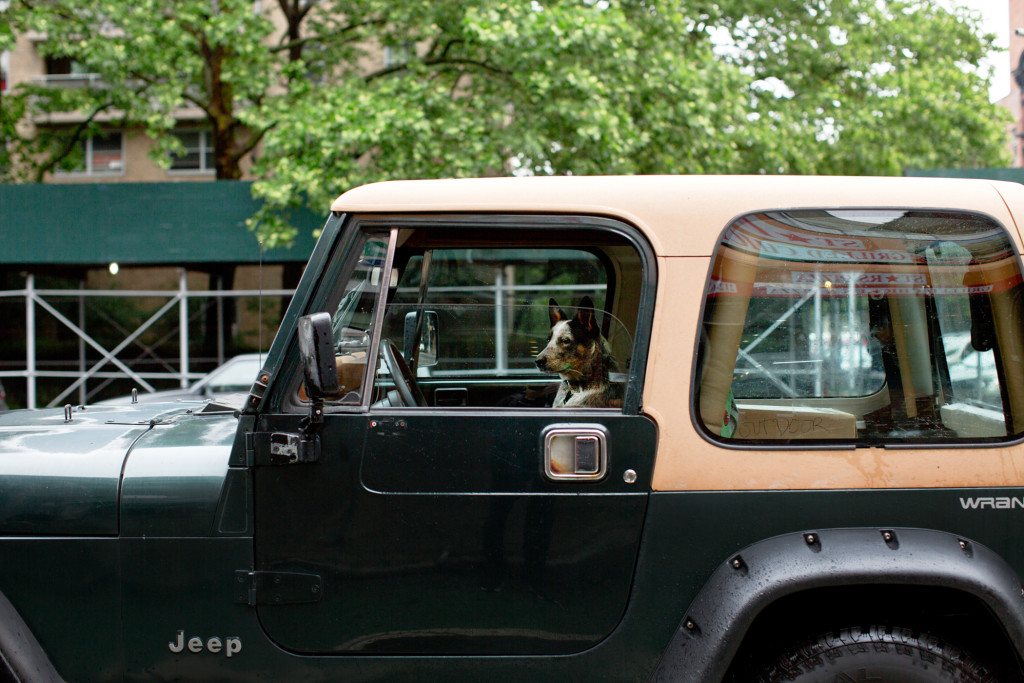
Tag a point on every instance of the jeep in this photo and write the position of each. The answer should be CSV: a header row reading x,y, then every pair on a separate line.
x,y
799,458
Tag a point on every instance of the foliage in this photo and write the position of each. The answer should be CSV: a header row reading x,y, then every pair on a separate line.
x,y
489,87
152,58
867,87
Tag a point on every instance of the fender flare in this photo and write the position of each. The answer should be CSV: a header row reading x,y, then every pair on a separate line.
x,y
21,655
704,644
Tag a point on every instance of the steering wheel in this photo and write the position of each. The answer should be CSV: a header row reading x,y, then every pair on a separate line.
x,y
405,382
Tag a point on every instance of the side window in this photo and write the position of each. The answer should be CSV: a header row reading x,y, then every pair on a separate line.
x,y
864,327
489,313
483,318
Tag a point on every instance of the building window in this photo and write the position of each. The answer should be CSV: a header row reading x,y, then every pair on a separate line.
x,y
197,157
66,72
60,65
100,155
397,55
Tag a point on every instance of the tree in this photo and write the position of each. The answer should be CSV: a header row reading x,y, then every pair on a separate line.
x,y
866,87
484,87
151,58
819,86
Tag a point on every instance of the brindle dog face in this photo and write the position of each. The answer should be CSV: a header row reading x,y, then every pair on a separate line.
x,y
573,343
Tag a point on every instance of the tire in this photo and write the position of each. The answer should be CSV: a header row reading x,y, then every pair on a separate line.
x,y
875,655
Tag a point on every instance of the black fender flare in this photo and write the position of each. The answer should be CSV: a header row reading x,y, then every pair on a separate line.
x,y
710,633
21,655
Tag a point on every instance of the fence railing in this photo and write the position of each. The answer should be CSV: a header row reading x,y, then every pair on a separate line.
x,y
109,366
177,301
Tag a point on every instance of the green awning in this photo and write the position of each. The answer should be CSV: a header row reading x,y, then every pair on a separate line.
x,y
183,223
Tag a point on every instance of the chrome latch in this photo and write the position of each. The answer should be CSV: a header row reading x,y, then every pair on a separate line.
x,y
575,452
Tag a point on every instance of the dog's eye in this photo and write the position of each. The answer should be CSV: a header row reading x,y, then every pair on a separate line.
x,y
565,341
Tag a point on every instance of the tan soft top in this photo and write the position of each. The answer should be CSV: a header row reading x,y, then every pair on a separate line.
x,y
681,215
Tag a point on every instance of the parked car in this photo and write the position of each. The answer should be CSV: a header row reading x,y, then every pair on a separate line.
x,y
688,429
235,375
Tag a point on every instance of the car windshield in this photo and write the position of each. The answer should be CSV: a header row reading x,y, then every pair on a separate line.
x,y
233,376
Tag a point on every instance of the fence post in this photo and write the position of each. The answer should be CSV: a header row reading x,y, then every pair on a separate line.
x,y
83,393
220,321
183,325
30,340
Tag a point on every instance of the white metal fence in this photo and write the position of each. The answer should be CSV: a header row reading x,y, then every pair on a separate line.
x,y
109,366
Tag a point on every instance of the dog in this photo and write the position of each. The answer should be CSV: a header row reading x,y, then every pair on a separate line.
x,y
578,352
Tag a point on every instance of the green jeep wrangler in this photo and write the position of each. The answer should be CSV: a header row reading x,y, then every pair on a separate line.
x,y
637,428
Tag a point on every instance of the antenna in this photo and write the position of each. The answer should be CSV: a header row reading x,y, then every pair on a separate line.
x,y
259,321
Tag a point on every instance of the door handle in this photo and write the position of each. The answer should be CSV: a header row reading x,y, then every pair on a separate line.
x,y
575,452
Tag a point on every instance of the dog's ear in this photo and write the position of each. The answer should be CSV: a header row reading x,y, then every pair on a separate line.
x,y
585,315
555,312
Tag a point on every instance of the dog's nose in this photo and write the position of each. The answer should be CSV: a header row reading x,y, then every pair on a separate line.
x,y
540,362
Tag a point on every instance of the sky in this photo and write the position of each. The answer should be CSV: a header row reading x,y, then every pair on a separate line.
x,y
996,19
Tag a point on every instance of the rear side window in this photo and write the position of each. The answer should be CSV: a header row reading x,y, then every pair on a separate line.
x,y
866,326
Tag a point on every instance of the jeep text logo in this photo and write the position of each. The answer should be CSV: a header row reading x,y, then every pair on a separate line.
x,y
992,502
229,646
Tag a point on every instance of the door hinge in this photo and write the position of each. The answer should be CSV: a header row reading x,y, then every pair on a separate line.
x,y
281,448
277,588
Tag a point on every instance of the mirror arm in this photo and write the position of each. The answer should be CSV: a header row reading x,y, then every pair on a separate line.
x,y
310,425
308,446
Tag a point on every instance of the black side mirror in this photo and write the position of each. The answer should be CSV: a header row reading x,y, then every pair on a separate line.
x,y
316,344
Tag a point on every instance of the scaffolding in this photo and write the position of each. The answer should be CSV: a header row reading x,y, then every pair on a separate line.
x,y
177,300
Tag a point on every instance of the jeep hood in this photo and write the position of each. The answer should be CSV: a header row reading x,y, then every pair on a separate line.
x,y
64,478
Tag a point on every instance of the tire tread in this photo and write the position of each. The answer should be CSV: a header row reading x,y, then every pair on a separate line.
x,y
805,661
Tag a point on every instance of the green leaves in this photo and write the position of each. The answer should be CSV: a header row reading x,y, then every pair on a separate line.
x,y
863,87
485,87
151,59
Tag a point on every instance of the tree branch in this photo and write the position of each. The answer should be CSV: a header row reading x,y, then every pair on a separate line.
x,y
295,10
438,61
281,47
254,139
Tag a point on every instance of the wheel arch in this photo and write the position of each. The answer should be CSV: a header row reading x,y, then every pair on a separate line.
x,y
764,573
22,658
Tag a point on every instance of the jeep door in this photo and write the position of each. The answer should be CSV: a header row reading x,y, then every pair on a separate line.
x,y
471,517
